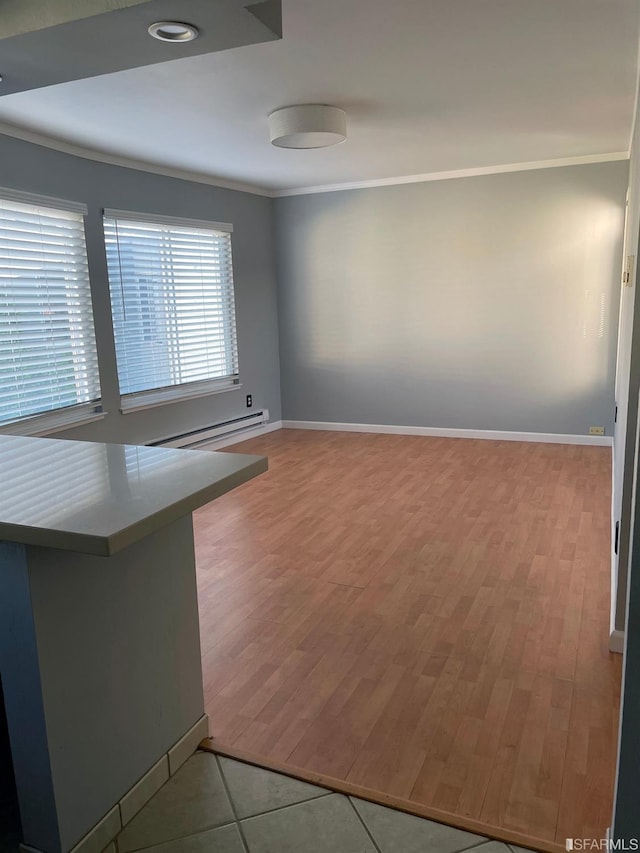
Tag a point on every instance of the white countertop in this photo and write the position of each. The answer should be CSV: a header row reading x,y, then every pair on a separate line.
x,y
100,498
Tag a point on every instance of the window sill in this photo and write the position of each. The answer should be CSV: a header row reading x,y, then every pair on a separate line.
x,y
141,400
52,422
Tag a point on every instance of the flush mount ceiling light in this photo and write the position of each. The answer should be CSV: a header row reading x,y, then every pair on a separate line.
x,y
173,31
307,126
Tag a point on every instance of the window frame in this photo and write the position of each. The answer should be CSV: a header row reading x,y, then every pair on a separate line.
x,y
64,417
136,401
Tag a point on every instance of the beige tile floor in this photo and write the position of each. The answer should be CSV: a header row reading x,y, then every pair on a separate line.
x,y
216,805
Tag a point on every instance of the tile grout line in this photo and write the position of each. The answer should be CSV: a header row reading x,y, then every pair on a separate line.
x,y
231,803
154,844
480,843
484,840
291,805
364,825
327,792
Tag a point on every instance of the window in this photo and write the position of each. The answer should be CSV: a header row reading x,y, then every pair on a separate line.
x,y
171,283
48,358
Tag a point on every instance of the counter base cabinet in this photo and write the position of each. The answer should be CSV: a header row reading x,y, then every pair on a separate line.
x,y
101,671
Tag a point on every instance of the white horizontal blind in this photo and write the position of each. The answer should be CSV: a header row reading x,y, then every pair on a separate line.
x,y
172,302
48,358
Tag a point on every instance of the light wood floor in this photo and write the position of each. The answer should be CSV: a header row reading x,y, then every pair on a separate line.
x,y
423,617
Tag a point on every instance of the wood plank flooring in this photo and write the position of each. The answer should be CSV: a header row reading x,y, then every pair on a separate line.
x,y
423,617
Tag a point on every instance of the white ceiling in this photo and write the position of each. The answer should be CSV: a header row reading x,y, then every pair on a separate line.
x,y
428,86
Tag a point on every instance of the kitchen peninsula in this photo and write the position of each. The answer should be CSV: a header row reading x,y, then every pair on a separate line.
x,y
99,640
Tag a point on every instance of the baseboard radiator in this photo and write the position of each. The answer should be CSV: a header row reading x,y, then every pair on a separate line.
x,y
221,430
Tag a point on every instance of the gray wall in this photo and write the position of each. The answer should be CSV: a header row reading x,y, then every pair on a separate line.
x,y
483,303
41,170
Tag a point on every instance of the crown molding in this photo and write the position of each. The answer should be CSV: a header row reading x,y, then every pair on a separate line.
x,y
94,154
636,97
455,173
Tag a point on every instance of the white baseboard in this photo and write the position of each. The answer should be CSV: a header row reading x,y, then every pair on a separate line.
x,y
100,838
143,790
254,432
102,834
616,642
188,744
441,432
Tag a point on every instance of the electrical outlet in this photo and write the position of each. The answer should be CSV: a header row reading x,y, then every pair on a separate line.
x,y
596,430
250,401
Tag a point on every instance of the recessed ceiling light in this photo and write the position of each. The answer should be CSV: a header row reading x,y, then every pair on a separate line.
x,y
173,31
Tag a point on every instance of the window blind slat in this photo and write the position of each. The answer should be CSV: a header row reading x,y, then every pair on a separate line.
x,y
172,303
48,357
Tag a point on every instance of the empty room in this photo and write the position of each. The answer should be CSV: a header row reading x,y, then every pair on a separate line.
x,y
319,380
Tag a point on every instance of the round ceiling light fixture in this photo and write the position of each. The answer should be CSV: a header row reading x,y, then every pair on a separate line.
x,y
307,126
173,31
